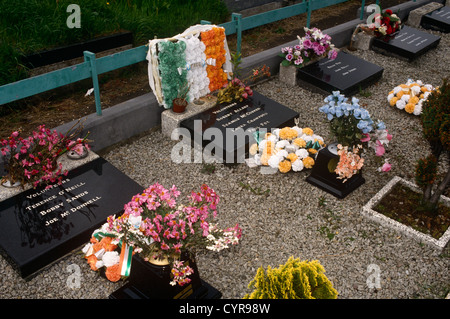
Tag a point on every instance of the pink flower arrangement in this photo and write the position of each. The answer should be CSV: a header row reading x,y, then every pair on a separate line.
x,y
157,227
34,159
313,44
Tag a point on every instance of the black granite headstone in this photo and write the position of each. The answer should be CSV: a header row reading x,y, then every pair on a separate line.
x,y
148,281
39,226
408,43
347,74
438,20
322,178
237,120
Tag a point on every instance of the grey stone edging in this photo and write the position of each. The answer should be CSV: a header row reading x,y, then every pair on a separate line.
x,y
368,212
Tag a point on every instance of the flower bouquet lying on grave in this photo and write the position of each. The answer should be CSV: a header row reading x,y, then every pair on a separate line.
x,y
156,227
410,96
33,159
314,45
286,149
238,90
356,133
386,24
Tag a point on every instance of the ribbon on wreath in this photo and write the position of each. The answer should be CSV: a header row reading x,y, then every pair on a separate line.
x,y
125,257
315,145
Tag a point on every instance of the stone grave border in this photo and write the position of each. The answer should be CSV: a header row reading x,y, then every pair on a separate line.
x,y
368,212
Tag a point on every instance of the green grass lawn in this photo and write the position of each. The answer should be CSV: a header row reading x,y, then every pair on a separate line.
x,y
28,26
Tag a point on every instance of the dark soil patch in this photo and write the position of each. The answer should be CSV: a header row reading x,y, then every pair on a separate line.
x,y
405,206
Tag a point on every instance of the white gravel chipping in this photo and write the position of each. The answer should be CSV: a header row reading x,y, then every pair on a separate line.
x,y
288,221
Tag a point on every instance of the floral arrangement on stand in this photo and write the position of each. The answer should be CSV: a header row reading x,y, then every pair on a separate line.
x,y
214,41
197,58
33,159
172,62
155,226
355,131
410,96
314,45
287,149
197,77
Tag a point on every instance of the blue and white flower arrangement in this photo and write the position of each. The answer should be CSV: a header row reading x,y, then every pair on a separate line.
x,y
353,126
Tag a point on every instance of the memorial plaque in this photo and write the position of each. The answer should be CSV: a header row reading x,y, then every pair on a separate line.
x,y
438,20
347,74
235,120
39,226
322,178
408,43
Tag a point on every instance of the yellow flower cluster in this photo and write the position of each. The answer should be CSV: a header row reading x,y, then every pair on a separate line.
x,y
410,96
288,148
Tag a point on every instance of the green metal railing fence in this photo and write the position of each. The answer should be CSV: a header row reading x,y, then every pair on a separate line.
x,y
92,67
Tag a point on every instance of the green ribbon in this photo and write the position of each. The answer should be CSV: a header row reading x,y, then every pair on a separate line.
x,y
315,145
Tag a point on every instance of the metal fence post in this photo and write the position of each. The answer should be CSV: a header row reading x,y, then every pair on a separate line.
x,y
237,18
308,9
90,57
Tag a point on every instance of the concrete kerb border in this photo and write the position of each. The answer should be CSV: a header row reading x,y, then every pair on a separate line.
x,y
141,114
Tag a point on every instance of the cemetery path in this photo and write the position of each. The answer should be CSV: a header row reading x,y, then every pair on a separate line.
x,y
63,105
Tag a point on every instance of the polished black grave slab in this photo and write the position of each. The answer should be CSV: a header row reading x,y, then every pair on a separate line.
x,y
408,43
438,20
347,74
39,226
327,181
149,281
228,129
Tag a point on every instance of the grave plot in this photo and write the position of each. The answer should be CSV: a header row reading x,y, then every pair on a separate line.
x,y
228,129
39,226
438,20
347,74
409,43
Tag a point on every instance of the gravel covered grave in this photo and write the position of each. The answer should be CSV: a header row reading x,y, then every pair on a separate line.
x,y
287,216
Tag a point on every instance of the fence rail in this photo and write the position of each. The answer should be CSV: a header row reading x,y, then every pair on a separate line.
x,y
92,66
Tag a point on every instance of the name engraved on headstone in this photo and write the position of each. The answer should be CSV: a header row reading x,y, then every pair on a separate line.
x,y
408,43
256,112
38,226
438,20
346,73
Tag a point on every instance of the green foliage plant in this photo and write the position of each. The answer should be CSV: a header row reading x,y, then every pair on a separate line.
x,y
435,120
294,280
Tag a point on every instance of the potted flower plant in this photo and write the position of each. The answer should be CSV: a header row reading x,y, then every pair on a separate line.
x,y
181,101
160,231
313,46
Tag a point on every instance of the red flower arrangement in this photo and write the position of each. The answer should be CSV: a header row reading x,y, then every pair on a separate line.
x,y
386,24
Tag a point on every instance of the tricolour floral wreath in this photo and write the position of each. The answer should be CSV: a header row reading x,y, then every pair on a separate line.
x,y
286,149
410,96
198,58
